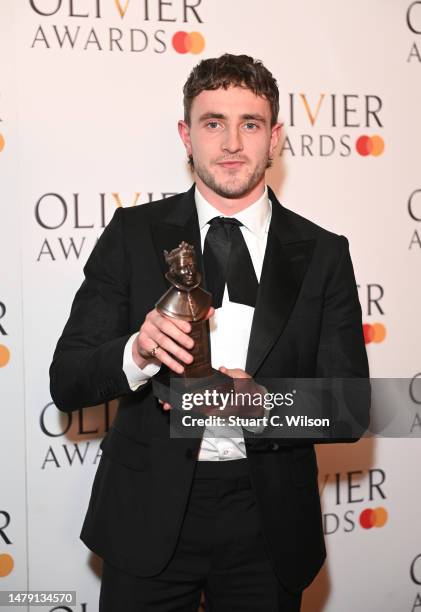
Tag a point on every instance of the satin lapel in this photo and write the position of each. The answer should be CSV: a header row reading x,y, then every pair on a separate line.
x,y
181,223
286,260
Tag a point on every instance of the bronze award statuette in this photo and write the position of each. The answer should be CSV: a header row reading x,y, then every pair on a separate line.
x,y
186,300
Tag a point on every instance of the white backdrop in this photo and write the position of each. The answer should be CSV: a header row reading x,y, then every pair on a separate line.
x,y
90,94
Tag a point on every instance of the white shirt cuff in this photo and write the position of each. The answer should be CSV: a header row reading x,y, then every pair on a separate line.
x,y
136,376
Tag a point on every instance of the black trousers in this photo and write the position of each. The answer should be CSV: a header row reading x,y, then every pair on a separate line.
x,y
220,551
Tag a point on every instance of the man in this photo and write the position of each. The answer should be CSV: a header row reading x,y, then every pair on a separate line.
x,y
237,518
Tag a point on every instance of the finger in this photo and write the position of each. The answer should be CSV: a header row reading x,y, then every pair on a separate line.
x,y
167,360
238,373
152,336
165,405
155,316
243,374
210,313
144,345
169,329
170,347
161,356
185,326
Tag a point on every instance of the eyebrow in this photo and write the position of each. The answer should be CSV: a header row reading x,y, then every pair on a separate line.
x,y
253,117
245,117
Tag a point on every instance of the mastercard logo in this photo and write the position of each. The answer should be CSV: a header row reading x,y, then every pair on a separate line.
x,y
188,42
4,355
6,565
374,332
2,143
370,145
376,517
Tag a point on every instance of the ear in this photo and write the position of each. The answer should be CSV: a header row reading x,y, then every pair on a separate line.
x,y
275,136
184,131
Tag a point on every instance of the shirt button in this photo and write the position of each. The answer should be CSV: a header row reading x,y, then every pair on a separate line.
x,y
226,452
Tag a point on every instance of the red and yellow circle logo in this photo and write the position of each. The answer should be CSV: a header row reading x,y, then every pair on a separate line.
x,y
2,142
373,517
370,145
188,42
6,565
374,332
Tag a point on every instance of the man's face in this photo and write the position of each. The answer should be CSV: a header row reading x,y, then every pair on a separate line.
x,y
231,139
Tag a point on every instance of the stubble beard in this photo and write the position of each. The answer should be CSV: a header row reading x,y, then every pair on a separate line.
x,y
234,188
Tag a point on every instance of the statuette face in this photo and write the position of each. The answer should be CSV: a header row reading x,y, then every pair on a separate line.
x,y
182,266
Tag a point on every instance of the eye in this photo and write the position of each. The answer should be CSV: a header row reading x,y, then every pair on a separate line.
x,y
250,126
212,125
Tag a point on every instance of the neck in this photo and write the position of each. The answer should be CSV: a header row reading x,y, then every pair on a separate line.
x,y
230,206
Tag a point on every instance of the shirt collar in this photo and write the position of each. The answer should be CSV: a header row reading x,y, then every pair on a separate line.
x,y
255,218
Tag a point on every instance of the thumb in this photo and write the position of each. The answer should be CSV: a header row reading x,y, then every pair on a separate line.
x,y
210,313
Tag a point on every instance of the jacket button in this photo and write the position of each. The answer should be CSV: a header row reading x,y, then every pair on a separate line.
x,y
274,446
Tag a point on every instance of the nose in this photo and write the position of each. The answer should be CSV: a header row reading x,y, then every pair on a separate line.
x,y
232,142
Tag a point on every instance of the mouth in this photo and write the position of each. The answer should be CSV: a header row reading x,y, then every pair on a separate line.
x,y
231,165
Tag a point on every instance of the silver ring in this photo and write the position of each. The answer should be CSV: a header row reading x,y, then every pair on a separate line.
x,y
153,350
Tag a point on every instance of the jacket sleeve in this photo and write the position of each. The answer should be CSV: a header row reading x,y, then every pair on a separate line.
x,y
342,355
87,363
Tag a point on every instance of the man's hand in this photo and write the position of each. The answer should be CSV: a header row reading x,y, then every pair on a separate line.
x,y
234,372
250,387
245,387
162,339
169,337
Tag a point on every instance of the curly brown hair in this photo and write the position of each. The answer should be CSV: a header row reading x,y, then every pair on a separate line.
x,y
231,70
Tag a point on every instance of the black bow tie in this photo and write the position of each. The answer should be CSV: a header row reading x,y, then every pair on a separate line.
x,y
227,261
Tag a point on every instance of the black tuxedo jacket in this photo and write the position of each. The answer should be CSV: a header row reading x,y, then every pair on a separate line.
x,y
307,323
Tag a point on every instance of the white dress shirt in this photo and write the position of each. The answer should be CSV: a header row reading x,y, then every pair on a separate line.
x,y
229,327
